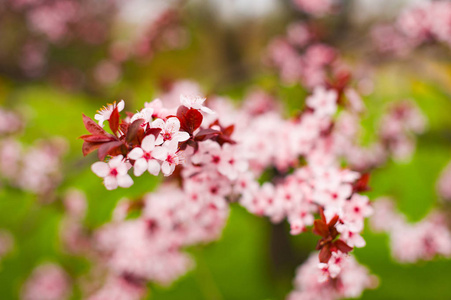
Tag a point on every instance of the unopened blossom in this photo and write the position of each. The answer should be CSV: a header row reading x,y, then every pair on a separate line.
x,y
105,112
114,173
147,156
195,102
170,131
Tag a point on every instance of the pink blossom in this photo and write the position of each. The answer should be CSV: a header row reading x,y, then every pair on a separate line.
x,y
323,102
195,102
147,156
47,282
114,173
170,131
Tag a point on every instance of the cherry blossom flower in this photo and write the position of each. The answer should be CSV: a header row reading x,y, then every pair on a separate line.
x,y
324,102
114,173
146,157
195,102
170,131
172,158
104,113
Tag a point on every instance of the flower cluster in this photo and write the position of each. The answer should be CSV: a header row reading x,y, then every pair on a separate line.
x,y
47,282
36,168
420,24
300,57
342,277
412,242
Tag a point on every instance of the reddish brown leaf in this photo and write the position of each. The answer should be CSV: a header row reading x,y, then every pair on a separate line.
x,y
320,228
325,254
333,221
342,246
228,131
133,130
114,120
361,185
88,147
106,148
206,134
92,126
97,138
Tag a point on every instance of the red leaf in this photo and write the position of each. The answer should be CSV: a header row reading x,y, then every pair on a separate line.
x,y
114,120
133,130
190,119
88,147
320,228
229,130
333,221
342,246
325,254
97,138
361,185
92,126
106,148
206,134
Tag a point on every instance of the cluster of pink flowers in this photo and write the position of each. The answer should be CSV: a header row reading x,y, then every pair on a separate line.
x,y
412,242
220,166
36,168
47,282
423,23
342,277
55,25
300,58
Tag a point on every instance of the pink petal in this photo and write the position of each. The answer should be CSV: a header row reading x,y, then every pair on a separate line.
x,y
153,167
125,181
160,153
148,143
136,153
140,167
181,136
101,169
172,125
110,183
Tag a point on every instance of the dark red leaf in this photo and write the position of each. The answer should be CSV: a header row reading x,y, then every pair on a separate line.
x,y
190,119
206,134
342,246
114,120
88,147
97,138
361,185
106,148
321,213
320,228
154,131
325,254
92,126
133,130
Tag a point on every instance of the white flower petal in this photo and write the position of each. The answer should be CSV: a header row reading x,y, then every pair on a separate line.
x,y
120,105
110,182
153,167
101,169
115,161
207,110
140,167
125,181
172,125
148,143
181,136
136,153
166,168
158,123
160,153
